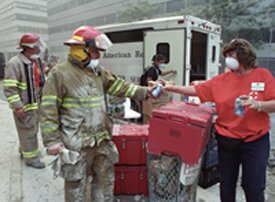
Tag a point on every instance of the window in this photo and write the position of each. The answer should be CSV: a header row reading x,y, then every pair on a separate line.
x,y
31,18
127,36
213,54
164,49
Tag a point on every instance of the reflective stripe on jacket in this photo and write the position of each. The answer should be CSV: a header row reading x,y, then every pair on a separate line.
x,y
18,83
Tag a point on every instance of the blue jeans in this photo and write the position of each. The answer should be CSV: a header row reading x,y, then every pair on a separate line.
x,y
253,156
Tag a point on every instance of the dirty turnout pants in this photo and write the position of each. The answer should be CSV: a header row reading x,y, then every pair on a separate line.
x,y
97,182
27,130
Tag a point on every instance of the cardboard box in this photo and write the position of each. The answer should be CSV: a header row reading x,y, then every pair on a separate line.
x,y
150,104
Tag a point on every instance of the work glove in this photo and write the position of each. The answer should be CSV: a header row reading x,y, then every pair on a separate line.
x,y
55,149
20,113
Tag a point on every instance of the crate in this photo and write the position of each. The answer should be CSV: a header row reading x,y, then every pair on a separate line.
x,y
130,180
131,141
180,129
164,178
209,176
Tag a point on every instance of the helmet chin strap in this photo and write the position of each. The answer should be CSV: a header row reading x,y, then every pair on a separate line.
x,y
86,62
86,50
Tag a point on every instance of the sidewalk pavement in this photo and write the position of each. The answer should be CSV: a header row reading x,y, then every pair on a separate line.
x,y
20,183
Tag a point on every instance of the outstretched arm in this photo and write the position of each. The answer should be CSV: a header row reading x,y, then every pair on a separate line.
x,y
172,71
183,90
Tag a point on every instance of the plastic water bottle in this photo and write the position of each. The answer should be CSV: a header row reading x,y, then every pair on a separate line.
x,y
156,92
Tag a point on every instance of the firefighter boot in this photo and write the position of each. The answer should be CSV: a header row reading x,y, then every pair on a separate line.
x,y
35,163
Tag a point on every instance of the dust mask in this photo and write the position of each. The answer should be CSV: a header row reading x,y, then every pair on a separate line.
x,y
231,63
35,57
161,66
93,63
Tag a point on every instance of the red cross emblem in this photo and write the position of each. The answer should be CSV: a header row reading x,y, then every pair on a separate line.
x,y
254,95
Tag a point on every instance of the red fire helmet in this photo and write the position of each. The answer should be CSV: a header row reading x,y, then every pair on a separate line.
x,y
29,40
89,36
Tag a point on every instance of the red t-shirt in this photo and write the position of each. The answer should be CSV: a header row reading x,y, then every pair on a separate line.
x,y
225,88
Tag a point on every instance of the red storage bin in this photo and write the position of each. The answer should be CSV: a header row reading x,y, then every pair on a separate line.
x,y
131,141
131,180
180,129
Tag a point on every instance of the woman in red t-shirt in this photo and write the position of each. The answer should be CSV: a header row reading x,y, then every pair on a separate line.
x,y
244,95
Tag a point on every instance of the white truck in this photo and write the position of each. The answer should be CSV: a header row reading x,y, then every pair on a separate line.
x,y
190,45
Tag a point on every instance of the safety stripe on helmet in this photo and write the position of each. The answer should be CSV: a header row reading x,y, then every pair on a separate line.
x,y
78,38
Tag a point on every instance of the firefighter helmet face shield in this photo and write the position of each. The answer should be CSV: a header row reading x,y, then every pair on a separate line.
x,y
40,44
101,42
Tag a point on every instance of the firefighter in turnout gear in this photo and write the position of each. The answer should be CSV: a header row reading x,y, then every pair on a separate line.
x,y
74,118
23,82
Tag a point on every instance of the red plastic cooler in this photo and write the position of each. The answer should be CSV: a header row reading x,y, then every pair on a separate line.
x,y
180,129
131,180
131,143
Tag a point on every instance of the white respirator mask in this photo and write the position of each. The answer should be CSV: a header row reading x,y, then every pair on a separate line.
x,y
93,64
161,66
35,57
231,63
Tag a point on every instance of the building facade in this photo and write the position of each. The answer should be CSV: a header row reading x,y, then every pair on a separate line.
x,y
55,20
18,17
66,15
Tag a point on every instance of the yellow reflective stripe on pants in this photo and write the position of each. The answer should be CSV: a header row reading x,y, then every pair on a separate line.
x,y
28,155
